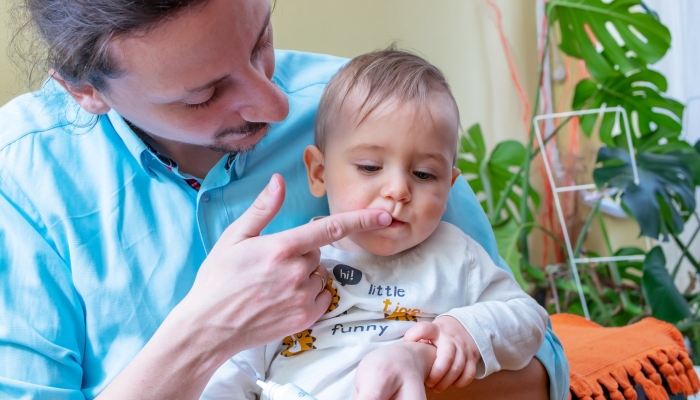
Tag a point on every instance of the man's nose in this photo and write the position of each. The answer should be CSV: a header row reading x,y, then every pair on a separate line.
x,y
261,100
397,188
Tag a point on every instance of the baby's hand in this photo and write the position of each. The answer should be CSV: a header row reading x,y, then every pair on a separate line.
x,y
395,371
457,353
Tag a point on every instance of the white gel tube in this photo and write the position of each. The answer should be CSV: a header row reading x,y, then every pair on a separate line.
x,y
275,391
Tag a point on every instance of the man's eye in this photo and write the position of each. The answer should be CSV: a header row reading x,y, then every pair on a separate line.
x,y
264,45
204,104
368,168
424,176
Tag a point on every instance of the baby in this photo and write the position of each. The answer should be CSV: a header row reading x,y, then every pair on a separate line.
x,y
386,138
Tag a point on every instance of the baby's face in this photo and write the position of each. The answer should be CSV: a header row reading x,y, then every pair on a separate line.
x,y
398,159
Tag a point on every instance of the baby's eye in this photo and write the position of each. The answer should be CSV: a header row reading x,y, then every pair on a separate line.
x,y
368,168
424,176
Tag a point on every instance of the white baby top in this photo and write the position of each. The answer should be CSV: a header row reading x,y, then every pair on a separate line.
x,y
377,299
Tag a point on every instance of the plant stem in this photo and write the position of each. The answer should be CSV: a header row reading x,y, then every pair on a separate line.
x,y
586,227
551,234
686,253
493,217
602,308
692,238
614,272
526,167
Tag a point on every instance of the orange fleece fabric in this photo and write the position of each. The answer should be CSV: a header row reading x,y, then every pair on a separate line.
x,y
609,361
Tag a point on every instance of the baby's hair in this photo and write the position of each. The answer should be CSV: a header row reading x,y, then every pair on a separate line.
x,y
382,75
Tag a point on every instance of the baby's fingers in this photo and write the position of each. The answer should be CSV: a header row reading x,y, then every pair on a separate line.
x,y
468,375
444,360
454,361
422,331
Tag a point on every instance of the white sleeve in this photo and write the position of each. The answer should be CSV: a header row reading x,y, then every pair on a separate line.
x,y
507,324
235,379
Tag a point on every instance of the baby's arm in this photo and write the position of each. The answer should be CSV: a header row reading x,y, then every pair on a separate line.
x,y
504,324
402,378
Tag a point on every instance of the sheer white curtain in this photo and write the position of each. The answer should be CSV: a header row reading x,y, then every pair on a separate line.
x,y
681,66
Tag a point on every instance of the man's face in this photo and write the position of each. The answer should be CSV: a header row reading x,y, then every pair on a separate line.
x,y
398,159
202,78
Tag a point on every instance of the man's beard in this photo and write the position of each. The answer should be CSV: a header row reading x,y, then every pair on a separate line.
x,y
247,129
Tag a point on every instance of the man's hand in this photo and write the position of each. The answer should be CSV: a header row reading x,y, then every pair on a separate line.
x,y
457,353
254,289
394,372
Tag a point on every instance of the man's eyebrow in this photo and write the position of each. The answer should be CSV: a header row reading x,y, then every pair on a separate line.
x,y
200,89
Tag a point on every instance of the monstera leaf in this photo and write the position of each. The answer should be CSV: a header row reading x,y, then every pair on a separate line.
x,y
629,37
665,196
489,176
639,92
507,234
666,302
664,141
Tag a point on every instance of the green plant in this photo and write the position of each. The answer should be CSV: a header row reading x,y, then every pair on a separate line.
x,y
618,43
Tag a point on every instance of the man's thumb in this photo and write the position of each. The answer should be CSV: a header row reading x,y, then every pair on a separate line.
x,y
259,214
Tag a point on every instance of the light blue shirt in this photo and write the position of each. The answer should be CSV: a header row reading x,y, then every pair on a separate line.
x,y
100,240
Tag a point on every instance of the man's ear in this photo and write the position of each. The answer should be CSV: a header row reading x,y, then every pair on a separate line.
x,y
313,160
455,173
87,96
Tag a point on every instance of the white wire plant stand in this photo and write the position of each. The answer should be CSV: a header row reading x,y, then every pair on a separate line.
x,y
574,261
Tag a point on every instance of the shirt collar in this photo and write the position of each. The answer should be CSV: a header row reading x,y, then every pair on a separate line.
x,y
136,146
143,152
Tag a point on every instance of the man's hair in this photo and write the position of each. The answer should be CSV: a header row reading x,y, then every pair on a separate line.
x,y
380,76
74,35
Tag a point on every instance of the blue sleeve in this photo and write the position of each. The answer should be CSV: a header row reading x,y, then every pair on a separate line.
x,y
42,327
464,211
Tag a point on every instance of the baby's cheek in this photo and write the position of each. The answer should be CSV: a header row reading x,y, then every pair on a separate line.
x,y
348,200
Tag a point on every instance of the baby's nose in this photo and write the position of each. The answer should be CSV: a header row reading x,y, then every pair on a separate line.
x,y
397,189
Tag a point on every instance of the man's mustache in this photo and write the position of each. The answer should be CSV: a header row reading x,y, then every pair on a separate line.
x,y
248,128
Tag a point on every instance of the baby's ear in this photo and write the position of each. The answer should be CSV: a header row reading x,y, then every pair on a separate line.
x,y
313,160
455,173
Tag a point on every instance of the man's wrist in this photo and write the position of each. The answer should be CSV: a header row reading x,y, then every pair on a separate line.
x,y
203,346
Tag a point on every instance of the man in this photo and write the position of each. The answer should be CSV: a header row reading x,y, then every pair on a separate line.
x,y
115,286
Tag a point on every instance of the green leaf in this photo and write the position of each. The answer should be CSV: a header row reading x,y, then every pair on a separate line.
x,y
639,92
473,142
507,240
630,270
667,303
489,177
665,196
641,38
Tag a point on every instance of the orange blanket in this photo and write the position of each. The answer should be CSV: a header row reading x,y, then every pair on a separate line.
x,y
612,360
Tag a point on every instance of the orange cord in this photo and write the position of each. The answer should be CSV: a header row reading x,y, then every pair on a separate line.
x,y
511,64
548,217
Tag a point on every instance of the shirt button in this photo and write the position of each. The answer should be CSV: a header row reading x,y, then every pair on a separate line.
x,y
205,198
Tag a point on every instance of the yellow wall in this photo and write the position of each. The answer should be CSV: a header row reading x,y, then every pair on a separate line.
x,y
10,79
459,36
